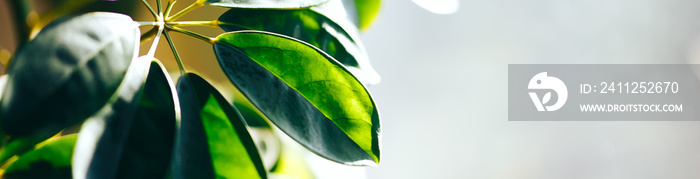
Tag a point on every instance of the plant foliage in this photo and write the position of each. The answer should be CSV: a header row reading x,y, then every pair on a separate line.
x,y
302,71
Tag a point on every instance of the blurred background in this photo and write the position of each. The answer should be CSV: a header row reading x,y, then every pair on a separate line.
x,y
443,95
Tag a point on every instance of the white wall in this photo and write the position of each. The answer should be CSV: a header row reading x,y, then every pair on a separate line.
x,y
443,96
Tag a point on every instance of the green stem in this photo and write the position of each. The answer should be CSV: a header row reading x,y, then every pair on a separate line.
x,y
143,23
177,56
21,10
160,7
169,7
155,15
189,8
190,33
154,45
214,23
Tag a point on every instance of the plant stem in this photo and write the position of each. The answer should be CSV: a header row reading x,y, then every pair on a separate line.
x,y
177,56
141,23
190,33
160,7
155,15
154,45
192,6
214,23
169,7
21,10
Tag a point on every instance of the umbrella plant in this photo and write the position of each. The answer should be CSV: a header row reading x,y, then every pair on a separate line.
x,y
78,101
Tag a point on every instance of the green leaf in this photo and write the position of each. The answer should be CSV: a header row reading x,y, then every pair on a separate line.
x,y
316,101
67,73
251,116
310,26
266,4
133,136
212,139
367,11
51,160
260,130
18,145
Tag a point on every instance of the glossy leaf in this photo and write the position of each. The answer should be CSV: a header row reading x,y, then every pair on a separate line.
x,y
67,73
133,136
260,130
367,11
266,4
310,26
251,115
18,145
212,139
51,160
316,101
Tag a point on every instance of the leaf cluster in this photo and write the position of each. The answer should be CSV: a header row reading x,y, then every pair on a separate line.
x,y
302,69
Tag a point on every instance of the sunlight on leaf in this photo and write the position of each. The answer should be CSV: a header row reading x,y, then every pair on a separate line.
x,y
212,139
314,100
367,11
52,159
337,37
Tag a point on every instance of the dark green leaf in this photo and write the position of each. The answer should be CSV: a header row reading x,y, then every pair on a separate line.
x,y
367,11
314,100
213,139
51,160
260,130
266,4
67,73
133,136
310,26
252,117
